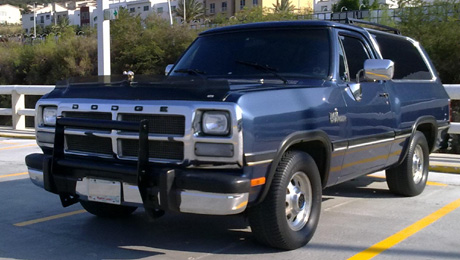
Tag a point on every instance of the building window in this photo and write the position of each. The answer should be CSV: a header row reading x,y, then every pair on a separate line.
x,y
255,2
212,8
42,19
224,6
146,8
173,8
242,3
160,10
31,18
47,17
132,10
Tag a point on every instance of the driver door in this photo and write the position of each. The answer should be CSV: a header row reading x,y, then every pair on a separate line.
x,y
368,114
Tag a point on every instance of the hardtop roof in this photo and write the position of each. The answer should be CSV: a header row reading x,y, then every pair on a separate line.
x,y
281,25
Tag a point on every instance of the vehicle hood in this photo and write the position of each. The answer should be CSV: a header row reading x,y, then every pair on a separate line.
x,y
161,88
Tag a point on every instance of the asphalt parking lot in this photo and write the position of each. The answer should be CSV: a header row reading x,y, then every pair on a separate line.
x,y
360,219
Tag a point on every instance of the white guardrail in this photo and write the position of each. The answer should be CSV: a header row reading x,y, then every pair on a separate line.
x,y
18,111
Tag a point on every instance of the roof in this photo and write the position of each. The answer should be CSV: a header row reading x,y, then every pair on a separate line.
x,y
282,24
11,6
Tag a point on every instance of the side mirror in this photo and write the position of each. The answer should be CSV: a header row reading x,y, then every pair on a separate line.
x,y
379,69
168,69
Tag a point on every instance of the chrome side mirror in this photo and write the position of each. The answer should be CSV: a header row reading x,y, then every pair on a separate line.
x,y
168,69
377,69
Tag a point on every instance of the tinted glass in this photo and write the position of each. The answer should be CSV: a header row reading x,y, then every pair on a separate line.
x,y
408,62
289,52
356,53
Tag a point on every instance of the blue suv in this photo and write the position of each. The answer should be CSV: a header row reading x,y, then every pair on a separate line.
x,y
255,118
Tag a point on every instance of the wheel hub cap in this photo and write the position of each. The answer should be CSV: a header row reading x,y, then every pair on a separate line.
x,y
417,164
298,201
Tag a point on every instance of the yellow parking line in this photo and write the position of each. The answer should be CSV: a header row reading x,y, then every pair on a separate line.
x,y
14,174
18,146
3,142
431,183
35,221
405,233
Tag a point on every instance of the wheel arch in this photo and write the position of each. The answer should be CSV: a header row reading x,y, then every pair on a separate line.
x,y
428,126
315,143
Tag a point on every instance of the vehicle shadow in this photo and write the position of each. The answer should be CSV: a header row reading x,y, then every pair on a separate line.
x,y
174,236
187,235
362,187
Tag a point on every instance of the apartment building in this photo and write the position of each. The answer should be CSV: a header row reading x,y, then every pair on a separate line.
x,y
10,14
144,8
299,5
224,7
78,13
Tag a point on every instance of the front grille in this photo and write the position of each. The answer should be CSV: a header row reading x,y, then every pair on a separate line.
x,y
89,144
160,124
88,115
128,149
157,149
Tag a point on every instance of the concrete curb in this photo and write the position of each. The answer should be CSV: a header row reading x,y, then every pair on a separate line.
x,y
445,169
443,162
23,134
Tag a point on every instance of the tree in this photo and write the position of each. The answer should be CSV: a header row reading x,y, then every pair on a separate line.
x,y
194,10
283,6
348,4
375,5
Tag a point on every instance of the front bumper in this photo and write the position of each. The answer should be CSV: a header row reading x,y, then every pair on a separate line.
x,y
188,191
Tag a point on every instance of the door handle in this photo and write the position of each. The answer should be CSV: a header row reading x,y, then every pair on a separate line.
x,y
384,94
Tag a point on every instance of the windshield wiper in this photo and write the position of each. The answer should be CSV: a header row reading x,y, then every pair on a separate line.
x,y
192,71
265,68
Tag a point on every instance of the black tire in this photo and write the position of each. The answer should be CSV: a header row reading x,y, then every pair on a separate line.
x,y
105,210
284,219
409,178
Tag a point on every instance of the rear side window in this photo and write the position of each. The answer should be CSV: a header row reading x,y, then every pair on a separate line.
x,y
409,64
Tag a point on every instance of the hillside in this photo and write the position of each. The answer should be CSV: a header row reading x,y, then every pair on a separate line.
x,y
23,3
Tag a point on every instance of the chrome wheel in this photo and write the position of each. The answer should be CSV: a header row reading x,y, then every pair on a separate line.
x,y
417,164
298,201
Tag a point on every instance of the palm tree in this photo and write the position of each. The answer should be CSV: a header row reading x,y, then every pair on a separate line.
x,y
283,6
193,10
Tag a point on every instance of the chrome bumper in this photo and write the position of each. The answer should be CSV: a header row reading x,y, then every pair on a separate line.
x,y
191,201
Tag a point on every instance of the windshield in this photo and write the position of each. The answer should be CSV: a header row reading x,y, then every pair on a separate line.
x,y
262,54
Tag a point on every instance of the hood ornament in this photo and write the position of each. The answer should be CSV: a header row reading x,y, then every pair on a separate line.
x,y
130,75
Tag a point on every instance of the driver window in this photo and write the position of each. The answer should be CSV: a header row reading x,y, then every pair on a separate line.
x,y
355,55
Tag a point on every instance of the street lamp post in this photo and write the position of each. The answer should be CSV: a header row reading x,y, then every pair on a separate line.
x,y
343,7
361,5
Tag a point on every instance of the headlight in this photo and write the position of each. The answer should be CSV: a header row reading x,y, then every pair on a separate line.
x,y
215,123
49,116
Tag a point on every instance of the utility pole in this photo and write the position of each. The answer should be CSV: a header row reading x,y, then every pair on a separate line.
x,y
35,21
103,39
170,13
